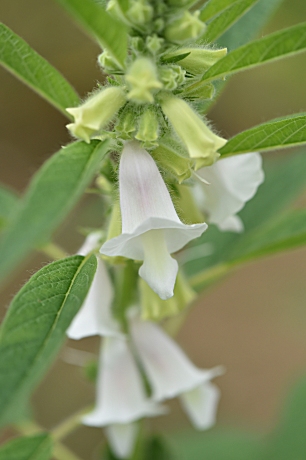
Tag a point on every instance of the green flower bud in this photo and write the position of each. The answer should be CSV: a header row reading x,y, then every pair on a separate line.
x,y
139,12
114,8
186,27
199,59
201,143
199,90
126,125
188,209
154,44
154,308
107,62
148,128
172,76
143,81
170,156
96,112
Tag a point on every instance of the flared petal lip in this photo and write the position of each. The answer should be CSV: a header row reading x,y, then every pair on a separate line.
x,y
204,376
95,418
123,245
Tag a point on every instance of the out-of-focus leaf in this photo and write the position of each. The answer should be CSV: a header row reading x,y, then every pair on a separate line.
x,y
37,447
275,134
226,18
110,33
8,200
270,48
34,328
33,70
51,195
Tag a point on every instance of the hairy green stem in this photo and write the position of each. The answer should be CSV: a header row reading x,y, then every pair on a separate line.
x,y
69,425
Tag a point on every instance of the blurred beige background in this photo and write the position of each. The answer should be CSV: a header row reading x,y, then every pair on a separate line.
x,y
253,322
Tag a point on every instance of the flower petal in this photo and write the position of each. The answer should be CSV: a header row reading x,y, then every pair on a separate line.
x,y
159,269
95,316
233,181
143,192
121,438
168,369
121,396
201,405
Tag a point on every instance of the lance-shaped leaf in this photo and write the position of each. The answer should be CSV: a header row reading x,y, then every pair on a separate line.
x,y
8,200
226,18
270,48
275,134
51,194
110,33
34,327
33,70
37,447
213,8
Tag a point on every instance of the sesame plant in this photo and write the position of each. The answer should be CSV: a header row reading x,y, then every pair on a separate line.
x,y
172,186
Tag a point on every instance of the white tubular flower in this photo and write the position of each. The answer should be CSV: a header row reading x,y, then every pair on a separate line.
x,y
121,438
232,182
151,229
171,374
95,316
121,396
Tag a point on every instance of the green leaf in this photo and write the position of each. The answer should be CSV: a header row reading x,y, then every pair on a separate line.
x,y
285,232
8,200
275,134
34,327
249,25
213,8
110,33
270,48
37,447
226,18
50,196
33,70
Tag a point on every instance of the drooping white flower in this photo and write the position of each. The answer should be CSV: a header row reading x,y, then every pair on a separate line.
x,y
122,438
95,316
170,373
151,229
232,182
121,396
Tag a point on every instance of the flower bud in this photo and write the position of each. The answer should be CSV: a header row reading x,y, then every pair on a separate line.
x,y
201,143
139,12
198,60
154,44
96,112
172,76
143,81
107,62
126,125
148,128
154,308
171,157
186,27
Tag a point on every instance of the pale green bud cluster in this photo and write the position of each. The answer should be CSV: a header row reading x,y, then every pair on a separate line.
x,y
154,97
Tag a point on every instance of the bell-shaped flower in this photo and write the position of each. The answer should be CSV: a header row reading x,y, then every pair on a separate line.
x,y
121,395
122,438
96,112
231,183
170,373
202,144
151,229
95,316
